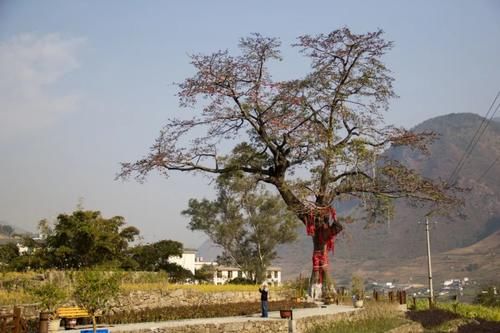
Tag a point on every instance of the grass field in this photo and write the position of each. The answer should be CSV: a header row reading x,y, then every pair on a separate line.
x,y
14,286
457,317
375,318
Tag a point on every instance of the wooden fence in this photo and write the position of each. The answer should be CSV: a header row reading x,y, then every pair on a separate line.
x,y
392,296
12,322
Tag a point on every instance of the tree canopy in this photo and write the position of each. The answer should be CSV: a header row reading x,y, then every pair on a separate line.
x,y
246,221
317,139
328,123
154,257
86,239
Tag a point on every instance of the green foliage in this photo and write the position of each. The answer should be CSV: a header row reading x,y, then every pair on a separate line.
x,y
241,280
472,311
205,273
50,295
6,230
489,296
246,221
8,254
152,257
201,311
95,289
358,287
86,239
177,273
457,317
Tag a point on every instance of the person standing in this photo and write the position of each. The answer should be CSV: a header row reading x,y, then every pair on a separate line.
x,y
264,296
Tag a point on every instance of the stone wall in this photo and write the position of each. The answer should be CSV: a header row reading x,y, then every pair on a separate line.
x,y
186,297
269,326
245,326
304,324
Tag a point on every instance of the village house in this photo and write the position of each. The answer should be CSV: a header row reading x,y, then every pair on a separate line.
x,y
222,274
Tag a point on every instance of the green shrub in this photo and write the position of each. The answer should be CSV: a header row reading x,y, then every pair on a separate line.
x,y
489,296
201,311
49,294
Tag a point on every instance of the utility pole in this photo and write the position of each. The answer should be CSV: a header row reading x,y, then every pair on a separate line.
x,y
429,265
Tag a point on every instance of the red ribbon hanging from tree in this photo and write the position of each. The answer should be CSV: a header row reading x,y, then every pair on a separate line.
x,y
310,228
329,233
326,236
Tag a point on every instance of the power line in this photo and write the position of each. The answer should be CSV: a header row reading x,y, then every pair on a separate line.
x,y
489,168
475,139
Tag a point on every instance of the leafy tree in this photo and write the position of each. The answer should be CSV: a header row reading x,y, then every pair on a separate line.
x,y
205,273
50,295
6,230
85,239
241,280
33,256
246,221
177,273
9,253
489,296
317,139
94,290
153,257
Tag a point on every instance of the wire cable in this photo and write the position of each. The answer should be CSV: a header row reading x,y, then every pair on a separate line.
x,y
489,168
475,139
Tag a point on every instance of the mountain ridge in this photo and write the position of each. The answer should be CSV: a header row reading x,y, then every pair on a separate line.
x,y
403,238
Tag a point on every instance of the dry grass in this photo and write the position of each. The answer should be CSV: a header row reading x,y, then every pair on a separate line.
x,y
375,318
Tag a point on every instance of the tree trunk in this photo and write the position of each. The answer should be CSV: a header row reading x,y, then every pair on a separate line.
x,y
260,274
94,324
320,277
322,236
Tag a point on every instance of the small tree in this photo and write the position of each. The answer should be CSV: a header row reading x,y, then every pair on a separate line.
x,y
50,295
94,290
205,273
489,296
358,287
246,221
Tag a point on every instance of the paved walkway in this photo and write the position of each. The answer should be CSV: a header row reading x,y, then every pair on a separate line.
x,y
273,315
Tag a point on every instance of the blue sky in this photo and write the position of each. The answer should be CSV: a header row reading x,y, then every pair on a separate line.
x,y
85,85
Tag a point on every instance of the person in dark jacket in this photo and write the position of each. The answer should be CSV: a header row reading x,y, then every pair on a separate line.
x,y
264,296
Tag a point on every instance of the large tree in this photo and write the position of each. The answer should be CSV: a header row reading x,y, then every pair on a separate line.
x,y
246,221
317,139
86,238
153,257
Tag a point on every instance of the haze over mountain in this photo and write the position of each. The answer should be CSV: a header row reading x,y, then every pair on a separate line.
x,y
404,237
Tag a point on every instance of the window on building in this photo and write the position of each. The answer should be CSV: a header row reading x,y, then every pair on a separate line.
x,y
275,274
230,274
219,274
240,274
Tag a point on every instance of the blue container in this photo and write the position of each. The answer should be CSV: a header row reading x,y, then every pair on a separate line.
x,y
99,330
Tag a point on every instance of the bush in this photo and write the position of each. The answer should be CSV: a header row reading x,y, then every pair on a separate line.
x,y
241,280
50,295
489,296
201,311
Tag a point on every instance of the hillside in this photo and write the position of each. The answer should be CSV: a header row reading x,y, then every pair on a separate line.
x,y
404,238
479,261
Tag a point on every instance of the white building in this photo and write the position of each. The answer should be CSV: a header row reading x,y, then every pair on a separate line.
x,y
222,274
186,260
